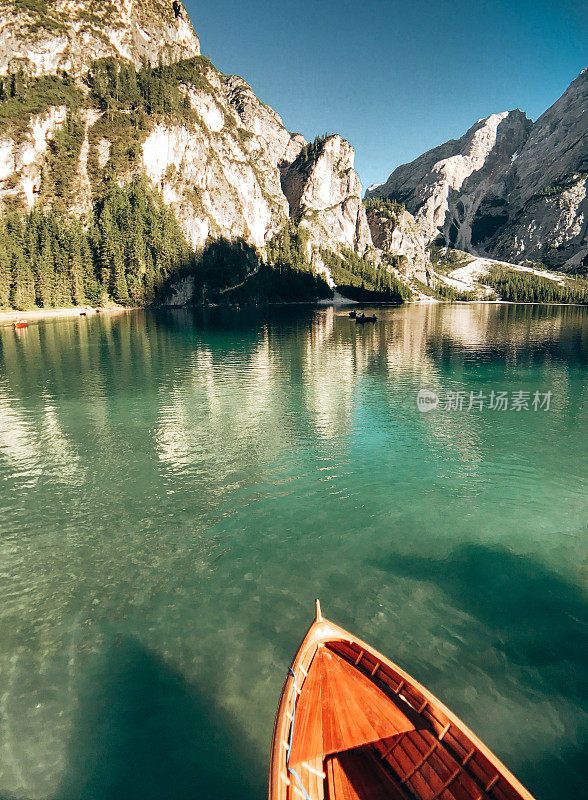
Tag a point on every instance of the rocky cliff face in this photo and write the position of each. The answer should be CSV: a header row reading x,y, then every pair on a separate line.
x,y
324,194
396,232
21,161
444,187
44,36
508,188
544,193
222,160
221,173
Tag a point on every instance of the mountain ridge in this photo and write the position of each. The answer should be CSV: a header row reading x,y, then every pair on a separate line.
x,y
110,116
219,139
86,111
45,36
523,199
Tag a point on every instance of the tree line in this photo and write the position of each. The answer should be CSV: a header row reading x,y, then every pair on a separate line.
x,y
384,205
234,272
525,287
126,253
132,250
360,279
113,83
447,292
117,84
310,152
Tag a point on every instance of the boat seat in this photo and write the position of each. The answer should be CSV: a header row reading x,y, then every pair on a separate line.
x,y
358,774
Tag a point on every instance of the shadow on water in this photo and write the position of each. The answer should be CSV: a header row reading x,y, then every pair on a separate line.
x,y
536,617
249,318
146,733
142,732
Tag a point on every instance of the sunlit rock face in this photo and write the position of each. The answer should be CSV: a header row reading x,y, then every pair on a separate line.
x,y
235,173
444,187
547,185
508,188
44,37
221,175
324,194
21,162
400,235
225,170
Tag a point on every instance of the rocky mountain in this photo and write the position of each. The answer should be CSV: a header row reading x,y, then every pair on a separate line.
x,y
396,232
324,195
94,95
508,187
543,196
136,155
444,187
44,36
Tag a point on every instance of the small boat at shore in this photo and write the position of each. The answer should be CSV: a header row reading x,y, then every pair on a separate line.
x,y
21,323
352,725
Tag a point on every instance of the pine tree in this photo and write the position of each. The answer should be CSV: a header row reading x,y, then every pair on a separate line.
x,y
92,287
119,289
76,269
135,267
149,278
5,271
63,288
45,276
105,246
22,295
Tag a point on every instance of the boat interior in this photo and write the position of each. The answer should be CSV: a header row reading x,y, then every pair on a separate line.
x,y
362,732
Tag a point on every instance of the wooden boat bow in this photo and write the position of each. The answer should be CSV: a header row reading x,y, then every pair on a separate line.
x,y
352,725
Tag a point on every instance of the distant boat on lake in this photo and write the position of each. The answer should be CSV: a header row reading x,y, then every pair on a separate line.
x,y
351,725
21,323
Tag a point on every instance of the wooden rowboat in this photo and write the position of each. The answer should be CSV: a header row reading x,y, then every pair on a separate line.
x,y
351,725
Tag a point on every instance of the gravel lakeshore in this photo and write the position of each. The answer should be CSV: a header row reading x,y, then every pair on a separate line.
x,y
8,317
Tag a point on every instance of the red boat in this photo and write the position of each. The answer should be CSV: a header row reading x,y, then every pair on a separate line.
x,y
21,323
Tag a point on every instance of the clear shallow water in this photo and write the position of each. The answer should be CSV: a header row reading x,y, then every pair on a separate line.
x,y
176,489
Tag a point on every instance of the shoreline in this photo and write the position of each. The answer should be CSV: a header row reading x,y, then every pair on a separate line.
x,y
8,317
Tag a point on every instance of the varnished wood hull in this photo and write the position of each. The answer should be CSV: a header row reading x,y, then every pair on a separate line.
x,y
366,730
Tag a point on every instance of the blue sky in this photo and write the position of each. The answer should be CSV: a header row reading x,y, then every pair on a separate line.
x,y
396,78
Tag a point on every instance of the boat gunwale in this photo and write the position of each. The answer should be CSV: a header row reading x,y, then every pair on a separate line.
x,y
325,632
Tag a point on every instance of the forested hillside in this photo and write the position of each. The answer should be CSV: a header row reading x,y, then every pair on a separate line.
x,y
132,250
525,287
130,246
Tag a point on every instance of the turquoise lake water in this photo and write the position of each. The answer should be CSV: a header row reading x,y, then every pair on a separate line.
x,y
176,489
